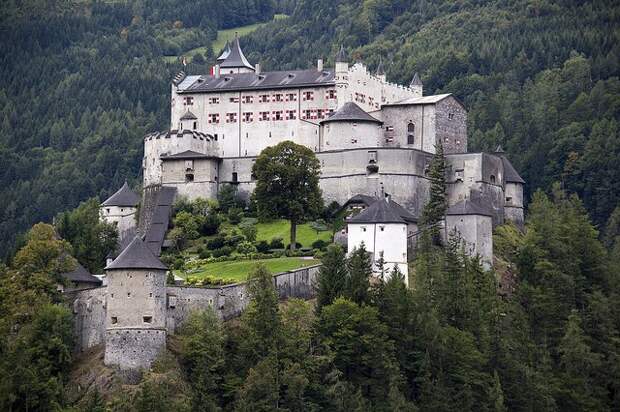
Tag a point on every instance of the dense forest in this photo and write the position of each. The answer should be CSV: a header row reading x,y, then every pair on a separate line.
x,y
82,82
549,341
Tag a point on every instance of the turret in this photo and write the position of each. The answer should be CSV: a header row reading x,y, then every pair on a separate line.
x,y
380,70
513,191
120,209
416,85
350,127
136,308
235,61
342,78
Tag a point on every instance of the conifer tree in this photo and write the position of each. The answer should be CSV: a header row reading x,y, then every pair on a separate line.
x,y
359,267
435,209
332,276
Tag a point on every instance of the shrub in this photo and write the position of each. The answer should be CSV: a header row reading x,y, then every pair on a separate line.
x,y
245,248
211,224
319,244
250,232
277,243
331,210
235,215
179,263
223,251
234,239
204,254
262,246
217,242
297,246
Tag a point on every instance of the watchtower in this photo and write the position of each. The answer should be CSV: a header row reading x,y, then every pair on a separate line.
x,y
136,308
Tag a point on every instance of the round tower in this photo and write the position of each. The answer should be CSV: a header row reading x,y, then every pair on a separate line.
x,y
350,127
120,209
170,143
341,77
136,308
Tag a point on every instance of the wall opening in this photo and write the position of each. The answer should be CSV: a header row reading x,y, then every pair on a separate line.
x,y
189,177
492,178
147,319
410,133
235,177
113,320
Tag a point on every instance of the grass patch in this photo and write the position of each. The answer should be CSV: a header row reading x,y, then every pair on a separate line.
x,y
282,228
225,35
239,269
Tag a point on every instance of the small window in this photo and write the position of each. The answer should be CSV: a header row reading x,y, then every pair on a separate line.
x,y
363,228
189,177
128,294
450,116
492,178
235,177
372,156
509,199
458,175
382,228
113,320
195,125
147,319
410,138
107,210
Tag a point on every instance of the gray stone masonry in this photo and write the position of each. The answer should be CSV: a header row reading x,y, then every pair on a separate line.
x,y
89,309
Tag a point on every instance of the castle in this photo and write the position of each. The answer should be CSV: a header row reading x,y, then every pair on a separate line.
x,y
374,140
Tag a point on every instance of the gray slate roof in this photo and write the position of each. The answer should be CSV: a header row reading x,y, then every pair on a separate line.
x,y
188,116
80,274
341,56
416,81
235,58
468,207
136,256
160,219
359,198
253,81
510,173
123,197
188,154
383,211
351,112
224,54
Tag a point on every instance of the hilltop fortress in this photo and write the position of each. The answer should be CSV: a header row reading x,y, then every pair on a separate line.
x,y
371,137
374,140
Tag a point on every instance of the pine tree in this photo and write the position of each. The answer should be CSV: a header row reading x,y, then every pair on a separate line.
x,y
332,276
435,209
360,269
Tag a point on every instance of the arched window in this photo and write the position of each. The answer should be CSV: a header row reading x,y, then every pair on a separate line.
x,y
410,133
492,178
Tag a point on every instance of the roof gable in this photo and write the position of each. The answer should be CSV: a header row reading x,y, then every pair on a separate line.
x,y
383,211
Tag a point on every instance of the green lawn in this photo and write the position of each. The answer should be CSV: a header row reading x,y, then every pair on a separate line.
x,y
239,269
281,228
225,35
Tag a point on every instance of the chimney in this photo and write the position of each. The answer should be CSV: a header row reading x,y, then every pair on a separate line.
x,y
216,71
257,68
319,65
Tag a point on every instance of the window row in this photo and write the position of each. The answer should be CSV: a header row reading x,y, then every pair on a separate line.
x,y
248,117
265,98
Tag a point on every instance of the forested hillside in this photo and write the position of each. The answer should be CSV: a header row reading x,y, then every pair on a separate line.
x,y
81,83
539,78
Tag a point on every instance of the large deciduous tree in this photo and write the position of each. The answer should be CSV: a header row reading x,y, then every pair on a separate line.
x,y
287,185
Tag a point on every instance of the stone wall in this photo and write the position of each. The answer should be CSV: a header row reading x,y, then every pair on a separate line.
x,y
89,309
133,348
89,312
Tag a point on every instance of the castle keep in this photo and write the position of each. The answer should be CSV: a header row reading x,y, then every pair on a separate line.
x,y
374,140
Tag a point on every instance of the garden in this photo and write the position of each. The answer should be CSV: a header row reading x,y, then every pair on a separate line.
x,y
216,242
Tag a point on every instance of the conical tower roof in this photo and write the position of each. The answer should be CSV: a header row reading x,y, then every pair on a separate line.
x,y
136,256
123,197
380,69
225,53
416,81
236,58
351,112
381,211
341,56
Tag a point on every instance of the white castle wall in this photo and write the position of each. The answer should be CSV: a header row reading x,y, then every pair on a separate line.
x,y
157,144
345,135
476,234
124,217
387,238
